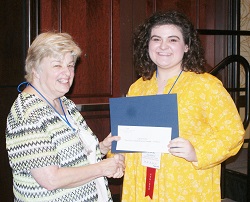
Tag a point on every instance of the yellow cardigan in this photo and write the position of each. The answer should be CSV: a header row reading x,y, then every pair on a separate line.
x,y
209,119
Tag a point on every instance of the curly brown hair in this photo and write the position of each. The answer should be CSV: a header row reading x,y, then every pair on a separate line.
x,y
193,60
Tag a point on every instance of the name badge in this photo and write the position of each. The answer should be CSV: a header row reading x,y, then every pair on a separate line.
x,y
152,160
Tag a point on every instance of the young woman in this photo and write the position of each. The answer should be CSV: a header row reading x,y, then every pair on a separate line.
x,y
170,59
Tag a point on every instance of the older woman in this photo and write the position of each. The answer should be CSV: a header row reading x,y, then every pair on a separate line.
x,y
53,153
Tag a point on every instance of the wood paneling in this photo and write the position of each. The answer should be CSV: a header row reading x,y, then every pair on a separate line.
x,y
12,43
104,30
49,15
92,29
94,25
12,49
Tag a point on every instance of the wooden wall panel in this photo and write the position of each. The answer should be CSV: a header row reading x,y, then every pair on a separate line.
x,y
94,25
49,15
188,7
91,28
206,20
12,43
117,71
12,49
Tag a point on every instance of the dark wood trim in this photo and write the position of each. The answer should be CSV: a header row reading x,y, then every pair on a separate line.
x,y
93,107
126,51
59,5
222,32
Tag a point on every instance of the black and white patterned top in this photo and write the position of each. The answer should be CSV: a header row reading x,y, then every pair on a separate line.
x,y
37,137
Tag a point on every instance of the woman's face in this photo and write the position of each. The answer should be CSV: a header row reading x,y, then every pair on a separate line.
x,y
167,47
55,75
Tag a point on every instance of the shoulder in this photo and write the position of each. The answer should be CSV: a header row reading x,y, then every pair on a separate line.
x,y
201,77
26,103
138,83
26,110
142,87
207,87
204,80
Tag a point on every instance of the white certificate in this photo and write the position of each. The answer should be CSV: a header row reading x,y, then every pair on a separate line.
x,y
144,138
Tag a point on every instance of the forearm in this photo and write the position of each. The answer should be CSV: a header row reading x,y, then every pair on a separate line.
x,y
52,177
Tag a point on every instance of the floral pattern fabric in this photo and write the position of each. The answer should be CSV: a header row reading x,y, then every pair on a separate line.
x,y
209,119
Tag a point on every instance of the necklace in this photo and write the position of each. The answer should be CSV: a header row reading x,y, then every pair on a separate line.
x,y
64,119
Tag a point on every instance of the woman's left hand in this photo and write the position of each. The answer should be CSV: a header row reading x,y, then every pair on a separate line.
x,y
182,148
105,145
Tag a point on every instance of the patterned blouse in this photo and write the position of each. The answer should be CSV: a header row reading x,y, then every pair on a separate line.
x,y
209,119
37,137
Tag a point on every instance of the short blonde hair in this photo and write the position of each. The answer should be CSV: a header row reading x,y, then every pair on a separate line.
x,y
49,44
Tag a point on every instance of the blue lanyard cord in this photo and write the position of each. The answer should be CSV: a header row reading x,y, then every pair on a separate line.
x,y
19,86
65,119
175,82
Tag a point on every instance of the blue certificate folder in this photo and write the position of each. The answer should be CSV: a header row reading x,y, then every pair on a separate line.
x,y
151,110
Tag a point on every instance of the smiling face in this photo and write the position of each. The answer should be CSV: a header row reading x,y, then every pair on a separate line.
x,y
167,47
54,76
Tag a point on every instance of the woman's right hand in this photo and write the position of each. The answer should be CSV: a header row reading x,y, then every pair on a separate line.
x,y
113,167
55,177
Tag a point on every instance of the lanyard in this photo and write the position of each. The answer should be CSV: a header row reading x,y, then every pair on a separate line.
x,y
65,119
175,82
